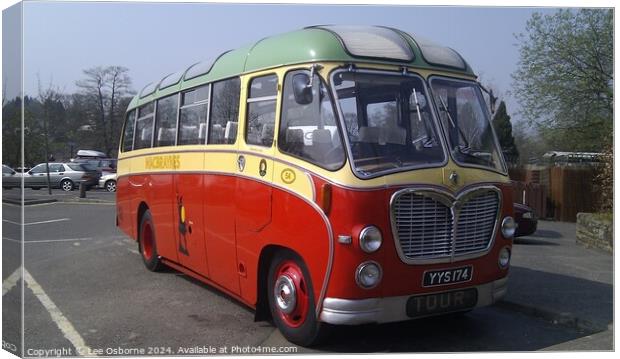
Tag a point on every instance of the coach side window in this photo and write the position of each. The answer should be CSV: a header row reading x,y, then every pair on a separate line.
x,y
144,127
166,121
193,121
224,112
261,110
128,132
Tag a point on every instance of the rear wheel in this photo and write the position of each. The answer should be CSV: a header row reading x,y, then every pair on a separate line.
x,y
291,300
66,185
147,244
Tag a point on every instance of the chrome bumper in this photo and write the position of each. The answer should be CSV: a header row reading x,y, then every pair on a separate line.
x,y
393,309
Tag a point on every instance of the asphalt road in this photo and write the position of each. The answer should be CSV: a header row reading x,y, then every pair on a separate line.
x,y
87,287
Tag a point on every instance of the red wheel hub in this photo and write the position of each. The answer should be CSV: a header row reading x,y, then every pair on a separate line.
x,y
147,240
290,293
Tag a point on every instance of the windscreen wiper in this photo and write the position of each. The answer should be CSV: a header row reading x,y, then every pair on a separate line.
x,y
429,142
445,109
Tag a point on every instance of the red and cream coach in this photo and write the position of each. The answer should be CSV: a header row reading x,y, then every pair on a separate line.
x,y
335,174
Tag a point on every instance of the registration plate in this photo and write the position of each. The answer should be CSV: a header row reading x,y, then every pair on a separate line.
x,y
447,276
440,303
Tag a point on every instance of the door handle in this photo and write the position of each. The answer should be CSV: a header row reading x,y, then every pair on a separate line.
x,y
241,163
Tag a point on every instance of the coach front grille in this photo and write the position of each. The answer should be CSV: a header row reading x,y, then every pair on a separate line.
x,y
425,229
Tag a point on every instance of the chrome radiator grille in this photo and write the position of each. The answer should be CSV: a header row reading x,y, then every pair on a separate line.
x,y
424,226
423,222
475,224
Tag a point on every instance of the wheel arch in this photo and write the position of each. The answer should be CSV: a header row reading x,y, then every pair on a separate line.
x,y
142,208
65,179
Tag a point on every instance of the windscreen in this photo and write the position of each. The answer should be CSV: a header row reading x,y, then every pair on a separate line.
x,y
388,121
466,122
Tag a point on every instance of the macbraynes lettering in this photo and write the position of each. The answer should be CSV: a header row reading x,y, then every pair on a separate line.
x,y
171,162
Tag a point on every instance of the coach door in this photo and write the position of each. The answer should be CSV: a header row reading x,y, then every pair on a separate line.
x,y
254,161
189,191
220,183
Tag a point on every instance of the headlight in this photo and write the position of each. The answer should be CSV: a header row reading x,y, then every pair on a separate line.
x,y
509,226
504,258
528,215
368,275
370,239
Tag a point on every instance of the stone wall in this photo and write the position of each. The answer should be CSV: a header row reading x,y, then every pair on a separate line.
x,y
595,231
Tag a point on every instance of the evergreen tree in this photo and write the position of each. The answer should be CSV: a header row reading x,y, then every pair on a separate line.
x,y
503,129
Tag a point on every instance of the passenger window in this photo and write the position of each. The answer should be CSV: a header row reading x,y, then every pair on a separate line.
x,y
166,121
39,168
128,132
193,121
224,112
56,168
144,127
261,111
310,131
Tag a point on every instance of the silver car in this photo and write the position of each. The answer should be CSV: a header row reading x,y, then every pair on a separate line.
x,y
65,176
108,181
10,178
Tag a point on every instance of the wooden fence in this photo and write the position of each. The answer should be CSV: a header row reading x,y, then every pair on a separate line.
x,y
556,192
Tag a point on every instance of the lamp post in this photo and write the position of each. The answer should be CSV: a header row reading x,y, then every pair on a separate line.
x,y
47,156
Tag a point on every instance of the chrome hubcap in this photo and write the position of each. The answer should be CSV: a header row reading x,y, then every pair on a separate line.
x,y
66,186
284,292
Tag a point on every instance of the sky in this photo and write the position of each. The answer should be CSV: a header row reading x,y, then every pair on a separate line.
x,y
61,39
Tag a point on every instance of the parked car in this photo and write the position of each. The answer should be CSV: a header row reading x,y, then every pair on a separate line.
x,y
65,176
526,219
10,178
108,181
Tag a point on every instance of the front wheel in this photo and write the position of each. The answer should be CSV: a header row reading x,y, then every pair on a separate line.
x,y
291,300
147,244
66,185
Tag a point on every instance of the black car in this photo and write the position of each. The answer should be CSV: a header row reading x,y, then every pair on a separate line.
x,y
101,164
526,219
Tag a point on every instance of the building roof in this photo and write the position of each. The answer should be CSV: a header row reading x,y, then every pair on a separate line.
x,y
340,43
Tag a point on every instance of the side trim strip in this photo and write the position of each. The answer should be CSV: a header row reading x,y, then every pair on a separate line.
x,y
303,169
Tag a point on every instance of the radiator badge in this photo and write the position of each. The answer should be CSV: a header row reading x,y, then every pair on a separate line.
x,y
454,178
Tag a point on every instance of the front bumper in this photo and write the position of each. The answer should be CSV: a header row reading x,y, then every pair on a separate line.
x,y
393,309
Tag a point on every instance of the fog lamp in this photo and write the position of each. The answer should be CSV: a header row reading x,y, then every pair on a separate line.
x,y
504,258
368,275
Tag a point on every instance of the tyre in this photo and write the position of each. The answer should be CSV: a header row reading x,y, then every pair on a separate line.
x,y
147,243
110,186
292,302
66,185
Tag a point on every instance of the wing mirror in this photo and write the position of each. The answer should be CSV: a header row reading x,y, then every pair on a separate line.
x,y
302,88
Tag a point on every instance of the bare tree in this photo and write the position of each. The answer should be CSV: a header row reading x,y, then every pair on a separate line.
x,y
119,85
49,98
105,88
